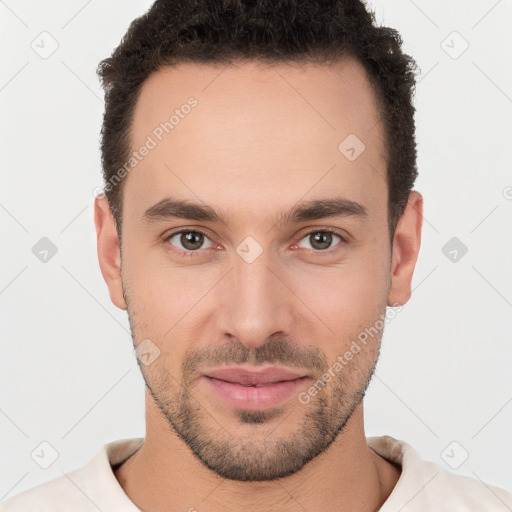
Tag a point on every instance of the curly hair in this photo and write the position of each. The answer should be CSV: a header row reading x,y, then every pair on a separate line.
x,y
208,31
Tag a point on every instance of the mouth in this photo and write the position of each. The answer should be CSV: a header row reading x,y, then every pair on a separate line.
x,y
246,377
254,390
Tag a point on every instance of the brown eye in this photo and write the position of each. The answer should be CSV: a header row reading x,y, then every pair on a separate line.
x,y
187,240
320,240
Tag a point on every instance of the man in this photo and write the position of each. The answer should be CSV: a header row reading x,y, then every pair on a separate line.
x,y
258,216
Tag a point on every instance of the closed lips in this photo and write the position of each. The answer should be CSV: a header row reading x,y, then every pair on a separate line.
x,y
243,377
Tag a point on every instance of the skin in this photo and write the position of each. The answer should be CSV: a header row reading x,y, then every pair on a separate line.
x,y
252,148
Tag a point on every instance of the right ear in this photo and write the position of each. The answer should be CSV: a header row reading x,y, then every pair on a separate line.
x,y
109,253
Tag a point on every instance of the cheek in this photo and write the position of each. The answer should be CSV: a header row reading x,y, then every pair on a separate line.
x,y
346,296
354,288
158,305
346,301
165,298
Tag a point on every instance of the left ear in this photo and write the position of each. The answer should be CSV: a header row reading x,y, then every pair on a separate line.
x,y
406,246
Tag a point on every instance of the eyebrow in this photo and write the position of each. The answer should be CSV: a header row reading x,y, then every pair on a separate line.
x,y
169,208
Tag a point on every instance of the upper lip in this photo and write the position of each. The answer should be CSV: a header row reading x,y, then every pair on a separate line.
x,y
247,377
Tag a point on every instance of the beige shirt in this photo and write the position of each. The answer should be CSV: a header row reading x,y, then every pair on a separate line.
x,y
423,486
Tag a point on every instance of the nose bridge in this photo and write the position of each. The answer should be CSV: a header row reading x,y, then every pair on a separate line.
x,y
257,306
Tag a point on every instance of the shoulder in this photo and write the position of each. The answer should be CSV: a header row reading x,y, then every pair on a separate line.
x,y
57,495
424,485
464,493
89,488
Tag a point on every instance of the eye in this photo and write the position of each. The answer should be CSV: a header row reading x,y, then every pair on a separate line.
x,y
188,240
320,239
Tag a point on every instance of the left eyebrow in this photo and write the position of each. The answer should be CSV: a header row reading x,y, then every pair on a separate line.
x,y
323,208
169,208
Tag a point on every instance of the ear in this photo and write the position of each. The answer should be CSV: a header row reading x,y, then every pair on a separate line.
x,y
406,246
109,253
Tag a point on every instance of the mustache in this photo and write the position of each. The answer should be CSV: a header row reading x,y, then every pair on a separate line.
x,y
279,351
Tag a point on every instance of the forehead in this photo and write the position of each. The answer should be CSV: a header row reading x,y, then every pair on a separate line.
x,y
248,135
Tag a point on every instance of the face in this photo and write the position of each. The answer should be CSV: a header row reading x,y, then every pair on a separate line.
x,y
255,251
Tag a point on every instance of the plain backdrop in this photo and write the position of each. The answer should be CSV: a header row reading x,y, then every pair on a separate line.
x,y
68,373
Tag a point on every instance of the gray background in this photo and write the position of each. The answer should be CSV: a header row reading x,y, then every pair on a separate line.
x,y
68,374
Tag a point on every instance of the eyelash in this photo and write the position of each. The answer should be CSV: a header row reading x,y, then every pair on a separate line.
x,y
185,254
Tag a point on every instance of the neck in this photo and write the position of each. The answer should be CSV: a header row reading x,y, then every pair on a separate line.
x,y
165,475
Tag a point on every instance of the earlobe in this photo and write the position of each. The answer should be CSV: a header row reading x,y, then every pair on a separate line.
x,y
108,248
406,246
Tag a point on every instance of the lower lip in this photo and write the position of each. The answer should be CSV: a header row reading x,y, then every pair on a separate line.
x,y
255,398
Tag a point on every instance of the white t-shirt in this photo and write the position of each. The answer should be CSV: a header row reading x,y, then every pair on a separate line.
x,y
423,486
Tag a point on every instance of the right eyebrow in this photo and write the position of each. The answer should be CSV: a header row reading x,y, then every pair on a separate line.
x,y
169,208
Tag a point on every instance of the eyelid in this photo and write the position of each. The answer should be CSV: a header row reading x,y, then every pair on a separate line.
x,y
181,252
326,229
344,239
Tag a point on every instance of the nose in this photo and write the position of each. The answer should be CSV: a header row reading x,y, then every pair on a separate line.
x,y
258,303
